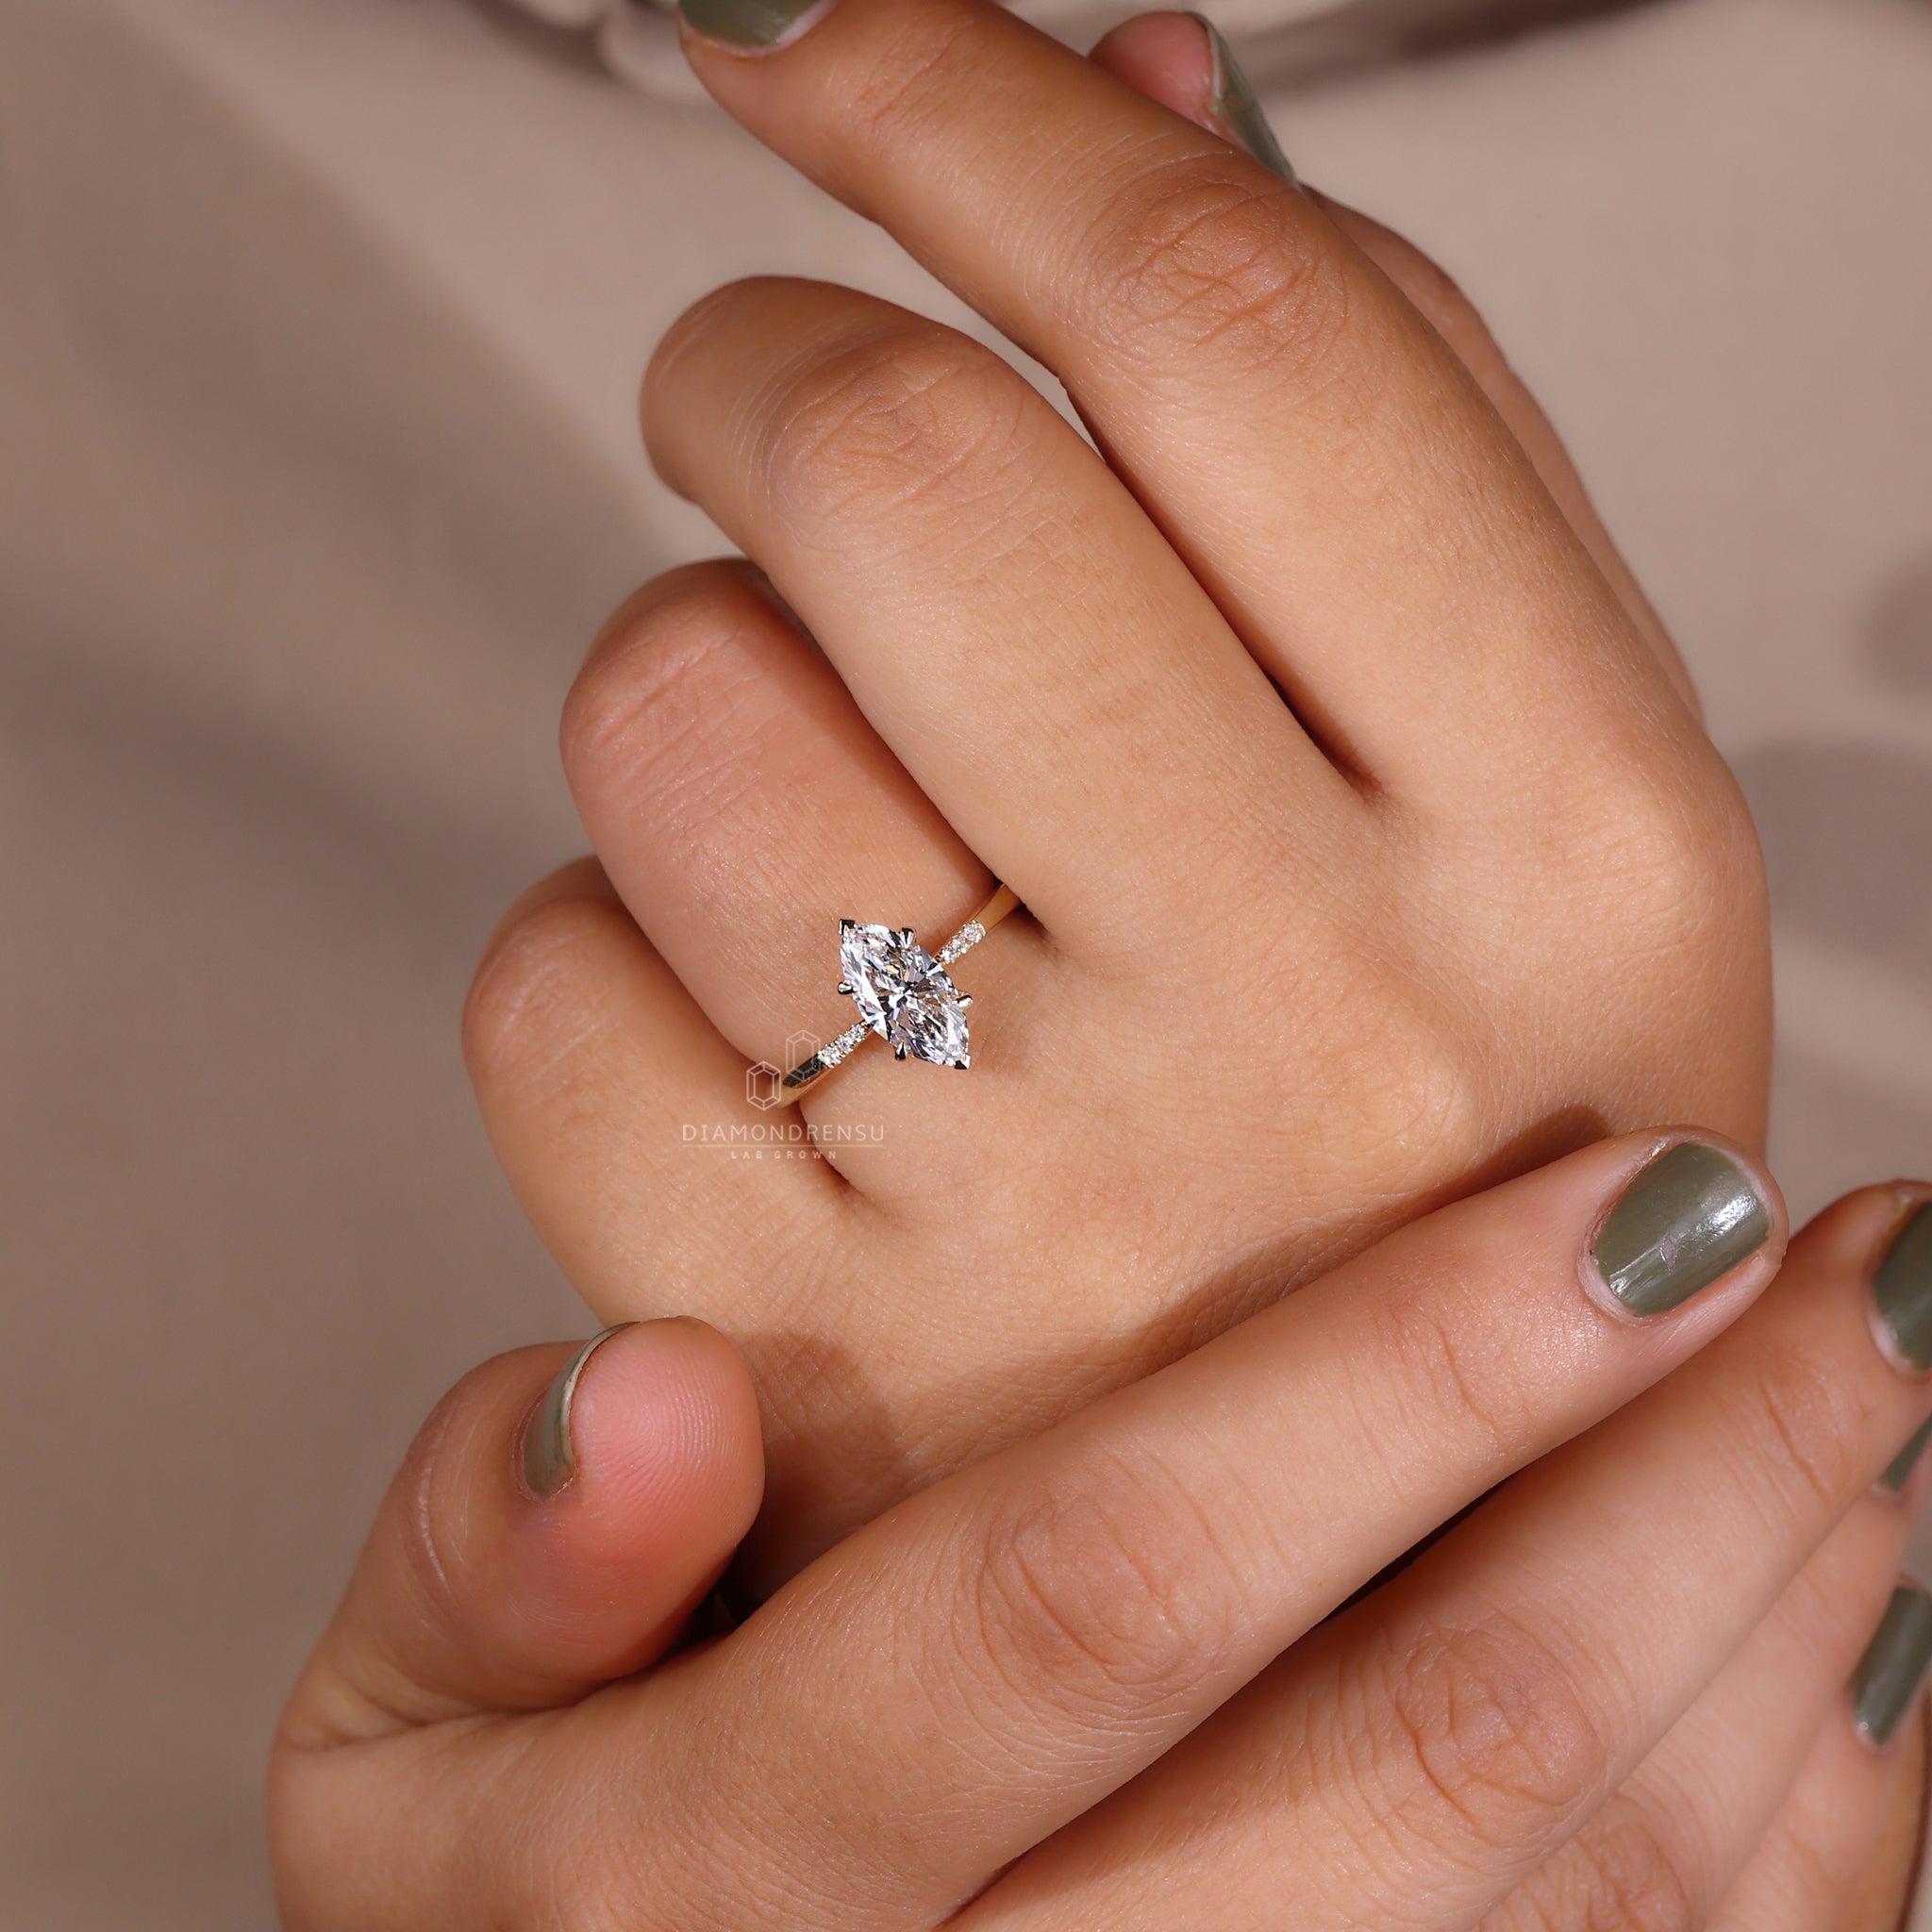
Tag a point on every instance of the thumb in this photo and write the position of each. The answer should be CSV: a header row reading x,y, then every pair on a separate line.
x,y
553,1527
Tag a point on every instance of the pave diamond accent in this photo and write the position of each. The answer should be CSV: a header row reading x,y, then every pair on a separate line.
x,y
963,941
829,1057
903,993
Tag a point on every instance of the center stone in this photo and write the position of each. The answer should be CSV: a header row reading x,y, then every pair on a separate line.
x,y
901,993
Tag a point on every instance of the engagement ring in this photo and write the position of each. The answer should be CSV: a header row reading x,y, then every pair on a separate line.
x,y
902,993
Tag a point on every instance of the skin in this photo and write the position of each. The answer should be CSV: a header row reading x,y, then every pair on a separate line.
x,y
1097,1679
1329,655
1357,876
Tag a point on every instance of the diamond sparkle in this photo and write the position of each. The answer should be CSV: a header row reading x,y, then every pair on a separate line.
x,y
903,993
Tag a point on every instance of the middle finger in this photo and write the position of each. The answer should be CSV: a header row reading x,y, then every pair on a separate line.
x,y
1002,610
1483,1706
1313,450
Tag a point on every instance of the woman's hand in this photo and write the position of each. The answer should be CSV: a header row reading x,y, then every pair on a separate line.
x,y
1369,848
1050,1691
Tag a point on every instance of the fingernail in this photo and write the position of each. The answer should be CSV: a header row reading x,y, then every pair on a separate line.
x,y
549,1456
1902,1289
1898,1472
1686,1221
1894,1664
752,23
1235,108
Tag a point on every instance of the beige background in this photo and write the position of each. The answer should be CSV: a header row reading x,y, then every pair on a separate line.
x,y
318,324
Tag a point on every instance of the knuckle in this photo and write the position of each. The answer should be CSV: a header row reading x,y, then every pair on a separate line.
x,y
1401,1054
1106,1590
1494,1724
908,413
887,112
1197,256
1821,1855
1674,846
674,698
536,993
1620,1874
1455,1384
1804,1430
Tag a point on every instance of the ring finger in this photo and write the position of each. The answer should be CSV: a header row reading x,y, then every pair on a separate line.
x,y
742,806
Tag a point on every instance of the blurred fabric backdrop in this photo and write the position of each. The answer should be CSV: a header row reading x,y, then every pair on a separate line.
x,y
320,325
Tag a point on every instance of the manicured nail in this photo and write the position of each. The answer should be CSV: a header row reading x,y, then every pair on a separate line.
x,y
1898,1472
549,1456
1688,1218
1894,1664
1902,1289
752,23
1235,108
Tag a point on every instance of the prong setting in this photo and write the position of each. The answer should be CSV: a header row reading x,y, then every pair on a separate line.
x,y
903,993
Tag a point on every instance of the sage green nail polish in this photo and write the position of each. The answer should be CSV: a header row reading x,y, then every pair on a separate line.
x,y
1902,1288
1898,1472
746,23
1235,108
549,1455
1894,1664
1688,1218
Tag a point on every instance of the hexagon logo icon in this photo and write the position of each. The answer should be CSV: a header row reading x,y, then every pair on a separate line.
x,y
762,1086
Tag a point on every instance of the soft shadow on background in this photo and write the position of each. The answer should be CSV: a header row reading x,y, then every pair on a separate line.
x,y
1846,823
320,325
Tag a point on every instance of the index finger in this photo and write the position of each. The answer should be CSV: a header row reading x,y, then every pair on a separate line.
x,y
988,1660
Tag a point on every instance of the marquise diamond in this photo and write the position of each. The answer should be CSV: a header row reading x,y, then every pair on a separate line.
x,y
903,993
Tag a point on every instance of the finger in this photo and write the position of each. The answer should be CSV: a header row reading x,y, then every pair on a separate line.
x,y
990,1657
741,803
1669,1846
1170,57
999,607
1842,1854
1317,457
742,806
1485,1703
555,1523
661,1182
1456,318
571,1011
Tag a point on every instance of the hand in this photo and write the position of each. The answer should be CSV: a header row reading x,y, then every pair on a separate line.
x,y
1369,850
1050,1692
